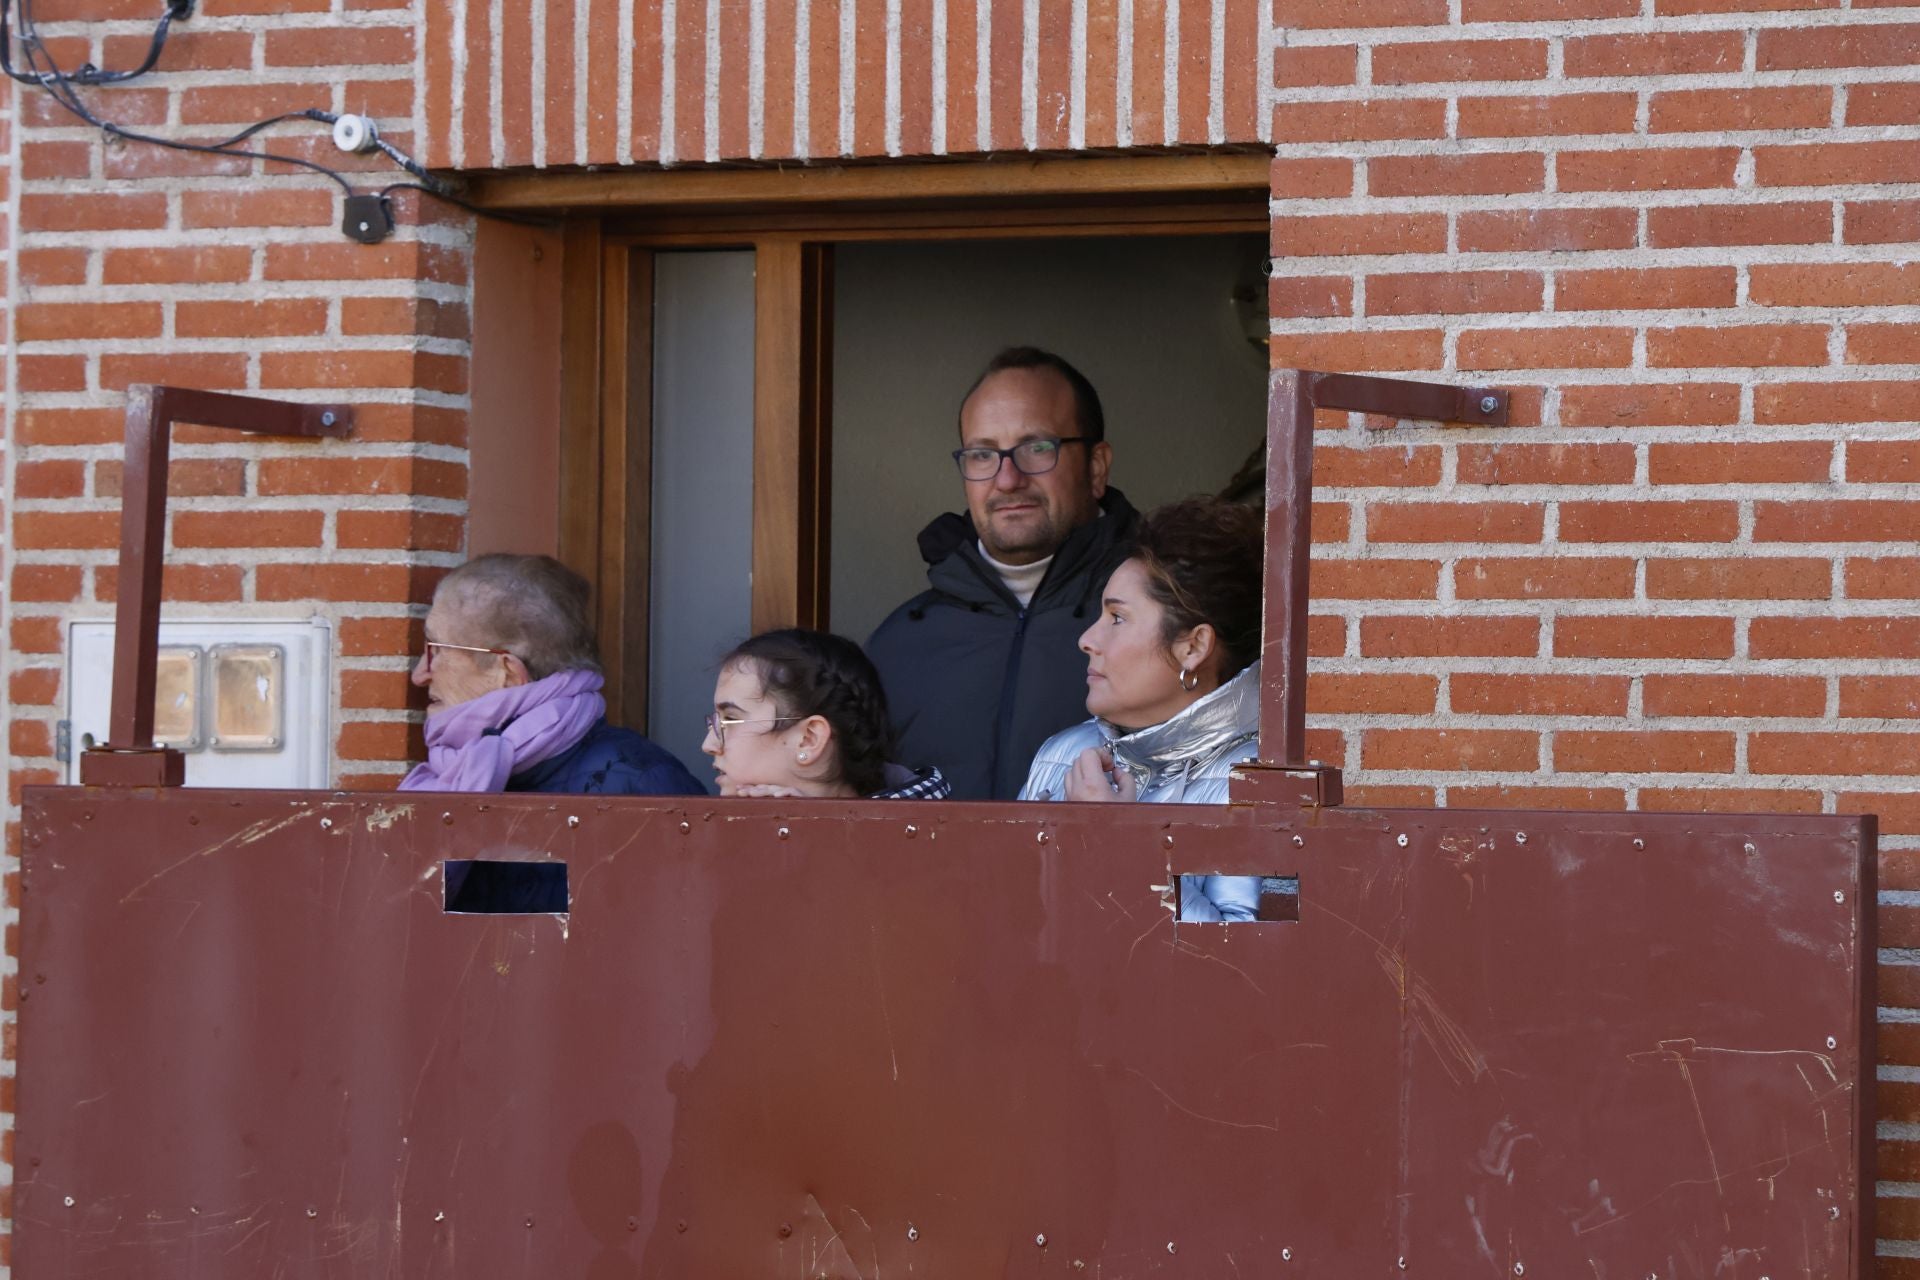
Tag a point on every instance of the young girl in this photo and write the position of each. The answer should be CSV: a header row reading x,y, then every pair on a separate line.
x,y
801,713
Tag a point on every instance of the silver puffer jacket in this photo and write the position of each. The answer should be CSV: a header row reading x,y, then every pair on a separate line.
x,y
1183,760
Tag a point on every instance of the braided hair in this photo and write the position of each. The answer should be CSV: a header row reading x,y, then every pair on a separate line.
x,y
815,673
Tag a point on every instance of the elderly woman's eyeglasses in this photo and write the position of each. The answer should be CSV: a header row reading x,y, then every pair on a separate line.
x,y
464,648
1030,457
717,725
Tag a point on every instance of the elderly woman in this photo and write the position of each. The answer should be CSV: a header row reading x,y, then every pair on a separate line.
x,y
801,713
513,690
1173,681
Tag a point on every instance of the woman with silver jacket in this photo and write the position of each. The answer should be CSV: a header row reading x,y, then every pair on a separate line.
x,y
1173,681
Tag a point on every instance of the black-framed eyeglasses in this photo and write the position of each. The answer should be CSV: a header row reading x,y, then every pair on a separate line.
x,y
717,725
1030,457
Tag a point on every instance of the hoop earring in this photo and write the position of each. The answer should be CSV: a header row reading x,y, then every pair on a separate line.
x,y
1187,676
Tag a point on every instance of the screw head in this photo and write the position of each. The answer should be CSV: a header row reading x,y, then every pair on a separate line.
x,y
783,833
1838,896
1832,1043
573,820
1519,1269
1638,843
1489,403
1299,842
681,1225
1041,838
1041,1241
913,1233
1519,837
326,824
1286,1255
912,831
440,1216
786,1229
312,1212
70,1205
327,419
1170,1248
1401,840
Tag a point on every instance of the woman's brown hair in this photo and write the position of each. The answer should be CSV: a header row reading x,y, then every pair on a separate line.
x,y
1205,560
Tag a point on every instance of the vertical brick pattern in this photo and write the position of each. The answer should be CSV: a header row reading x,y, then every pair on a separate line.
x,y
1685,577
1170,93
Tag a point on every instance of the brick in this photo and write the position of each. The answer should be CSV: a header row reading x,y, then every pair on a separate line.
x,y
1466,750
423,477
1669,8
377,690
1389,797
1541,116
393,260
1326,636
1880,44
196,582
1375,579
1365,120
421,317
130,107
1720,111
1883,344
1582,464
52,266
34,635
1727,800
72,426
186,477
1747,578
1702,404
409,423
1512,797
1643,288
1328,522
1538,695
247,102
1883,461
1546,10
405,530
1385,351
1670,53
1647,169
1822,402
1880,697
82,530
1529,230
51,373
1608,751
94,211
1833,638
1380,693
1777,223
1662,636
1339,235
185,51
1444,60
30,738
1830,520
44,583
50,478
247,528
1736,696
1771,462
1299,67
339,46
1834,753
1419,636
1309,297
1736,346
1881,221
62,321
1383,465
1360,13
1642,522
1863,284
1454,292
1570,348
255,208
34,686
278,317
381,637
41,160
1313,177
139,162
1456,522
345,582
1883,104
1544,578
1502,173
212,370
197,264
380,740
1886,578
419,369
1825,164
1899,813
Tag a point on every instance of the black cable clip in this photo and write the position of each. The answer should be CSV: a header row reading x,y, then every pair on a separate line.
x,y
367,218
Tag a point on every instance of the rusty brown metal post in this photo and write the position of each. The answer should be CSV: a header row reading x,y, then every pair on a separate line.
x,y
1285,774
129,758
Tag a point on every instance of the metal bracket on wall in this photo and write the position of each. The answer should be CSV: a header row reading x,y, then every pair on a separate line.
x,y
1284,775
129,757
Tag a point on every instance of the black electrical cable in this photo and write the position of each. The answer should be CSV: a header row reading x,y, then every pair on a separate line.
x,y
520,219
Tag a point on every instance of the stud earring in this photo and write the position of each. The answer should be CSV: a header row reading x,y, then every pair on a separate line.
x,y
803,757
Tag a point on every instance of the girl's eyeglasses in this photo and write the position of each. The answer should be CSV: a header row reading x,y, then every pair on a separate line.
x,y
717,725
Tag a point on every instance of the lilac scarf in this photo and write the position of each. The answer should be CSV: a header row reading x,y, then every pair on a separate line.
x,y
479,744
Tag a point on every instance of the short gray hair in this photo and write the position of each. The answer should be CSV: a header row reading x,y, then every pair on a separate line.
x,y
533,606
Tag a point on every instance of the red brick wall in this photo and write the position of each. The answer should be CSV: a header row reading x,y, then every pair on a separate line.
x,y
1684,230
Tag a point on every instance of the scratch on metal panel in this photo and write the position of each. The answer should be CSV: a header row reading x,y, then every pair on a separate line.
x,y
245,836
384,816
886,1019
1180,1106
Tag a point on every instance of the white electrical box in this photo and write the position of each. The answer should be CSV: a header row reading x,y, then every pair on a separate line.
x,y
246,701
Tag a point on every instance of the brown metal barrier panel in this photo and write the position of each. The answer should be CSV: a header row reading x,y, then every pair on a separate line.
x,y
803,1039
755,1038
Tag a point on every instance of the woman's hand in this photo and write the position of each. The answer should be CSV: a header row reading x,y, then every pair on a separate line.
x,y
767,789
1094,777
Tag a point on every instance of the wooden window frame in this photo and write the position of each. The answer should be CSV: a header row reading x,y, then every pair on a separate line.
x,y
791,218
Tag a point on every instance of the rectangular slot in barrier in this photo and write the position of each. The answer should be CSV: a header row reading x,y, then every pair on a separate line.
x,y
479,887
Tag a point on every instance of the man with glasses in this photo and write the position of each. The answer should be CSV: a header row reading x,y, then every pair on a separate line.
x,y
984,665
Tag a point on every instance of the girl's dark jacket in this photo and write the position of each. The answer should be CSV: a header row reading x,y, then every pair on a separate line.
x,y
974,682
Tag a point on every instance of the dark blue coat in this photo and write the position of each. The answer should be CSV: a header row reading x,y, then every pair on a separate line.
x,y
610,761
